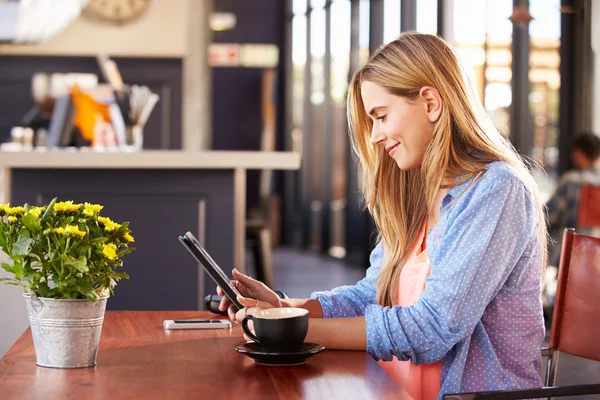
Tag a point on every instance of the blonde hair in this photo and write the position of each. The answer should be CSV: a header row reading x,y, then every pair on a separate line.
x,y
464,141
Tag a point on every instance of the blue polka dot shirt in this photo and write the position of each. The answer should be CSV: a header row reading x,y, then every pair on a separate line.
x,y
481,310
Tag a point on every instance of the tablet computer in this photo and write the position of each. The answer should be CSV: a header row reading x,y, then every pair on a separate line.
x,y
210,266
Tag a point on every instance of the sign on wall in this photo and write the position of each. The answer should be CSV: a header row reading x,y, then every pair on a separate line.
x,y
243,55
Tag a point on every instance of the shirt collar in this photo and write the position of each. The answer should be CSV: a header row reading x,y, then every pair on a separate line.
x,y
458,189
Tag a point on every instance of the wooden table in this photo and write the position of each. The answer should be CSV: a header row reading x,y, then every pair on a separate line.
x,y
138,359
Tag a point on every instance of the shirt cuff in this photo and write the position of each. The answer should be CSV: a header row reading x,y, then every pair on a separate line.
x,y
379,333
324,299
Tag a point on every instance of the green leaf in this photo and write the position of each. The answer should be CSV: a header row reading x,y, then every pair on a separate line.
x,y
29,275
42,289
79,264
120,275
7,267
86,288
18,270
22,246
125,251
32,223
49,210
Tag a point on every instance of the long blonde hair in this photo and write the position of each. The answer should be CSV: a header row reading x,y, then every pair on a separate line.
x,y
464,141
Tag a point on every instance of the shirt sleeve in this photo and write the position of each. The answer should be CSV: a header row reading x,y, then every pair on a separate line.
x,y
351,301
486,234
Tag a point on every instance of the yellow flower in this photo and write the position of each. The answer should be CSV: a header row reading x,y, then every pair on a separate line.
x,y
91,209
109,225
36,211
69,230
128,238
66,206
4,207
74,231
109,251
15,210
12,218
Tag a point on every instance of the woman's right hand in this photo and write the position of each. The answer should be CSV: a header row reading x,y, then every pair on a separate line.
x,y
249,288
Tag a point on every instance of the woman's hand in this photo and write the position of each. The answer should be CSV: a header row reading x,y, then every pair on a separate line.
x,y
255,294
251,306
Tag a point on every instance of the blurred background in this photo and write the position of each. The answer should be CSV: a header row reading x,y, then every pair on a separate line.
x,y
272,75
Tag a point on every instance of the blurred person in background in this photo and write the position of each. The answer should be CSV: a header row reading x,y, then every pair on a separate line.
x,y
563,206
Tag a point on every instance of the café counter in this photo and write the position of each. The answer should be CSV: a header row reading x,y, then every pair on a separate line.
x,y
163,194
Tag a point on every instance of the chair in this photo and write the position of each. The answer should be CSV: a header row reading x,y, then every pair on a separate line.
x,y
575,322
259,224
588,216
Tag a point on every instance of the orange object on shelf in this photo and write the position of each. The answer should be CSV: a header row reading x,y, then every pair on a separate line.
x,y
86,110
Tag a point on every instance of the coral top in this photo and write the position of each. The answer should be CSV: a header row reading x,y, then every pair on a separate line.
x,y
417,381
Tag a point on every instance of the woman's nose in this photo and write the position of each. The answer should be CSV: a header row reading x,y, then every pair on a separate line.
x,y
377,136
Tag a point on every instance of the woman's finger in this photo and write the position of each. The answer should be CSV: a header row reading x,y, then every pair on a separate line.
x,y
246,302
224,303
231,313
252,304
250,284
251,288
241,288
239,316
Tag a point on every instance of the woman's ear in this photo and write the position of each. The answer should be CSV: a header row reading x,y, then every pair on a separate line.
x,y
432,102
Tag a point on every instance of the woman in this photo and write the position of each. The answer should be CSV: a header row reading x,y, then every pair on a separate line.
x,y
451,302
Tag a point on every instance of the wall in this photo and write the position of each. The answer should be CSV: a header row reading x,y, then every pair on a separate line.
x,y
159,32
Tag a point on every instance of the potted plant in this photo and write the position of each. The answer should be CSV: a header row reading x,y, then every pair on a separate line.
x,y
66,257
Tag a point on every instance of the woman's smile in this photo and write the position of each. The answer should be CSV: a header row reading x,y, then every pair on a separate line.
x,y
391,149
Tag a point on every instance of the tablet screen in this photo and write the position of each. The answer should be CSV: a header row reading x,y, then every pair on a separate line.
x,y
211,267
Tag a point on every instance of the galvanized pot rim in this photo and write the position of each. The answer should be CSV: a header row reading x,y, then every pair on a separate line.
x,y
26,295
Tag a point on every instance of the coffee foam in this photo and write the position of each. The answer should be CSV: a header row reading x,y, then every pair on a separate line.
x,y
280,313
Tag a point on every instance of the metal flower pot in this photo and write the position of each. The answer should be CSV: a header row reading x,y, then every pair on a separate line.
x,y
66,333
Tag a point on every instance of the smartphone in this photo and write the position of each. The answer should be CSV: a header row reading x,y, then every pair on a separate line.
x,y
196,324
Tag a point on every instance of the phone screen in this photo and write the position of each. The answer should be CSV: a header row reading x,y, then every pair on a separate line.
x,y
197,321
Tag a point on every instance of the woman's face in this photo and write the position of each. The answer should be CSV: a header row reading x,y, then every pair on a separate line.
x,y
404,128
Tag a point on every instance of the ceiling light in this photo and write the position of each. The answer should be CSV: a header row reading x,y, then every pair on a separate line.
x,y
36,20
222,21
